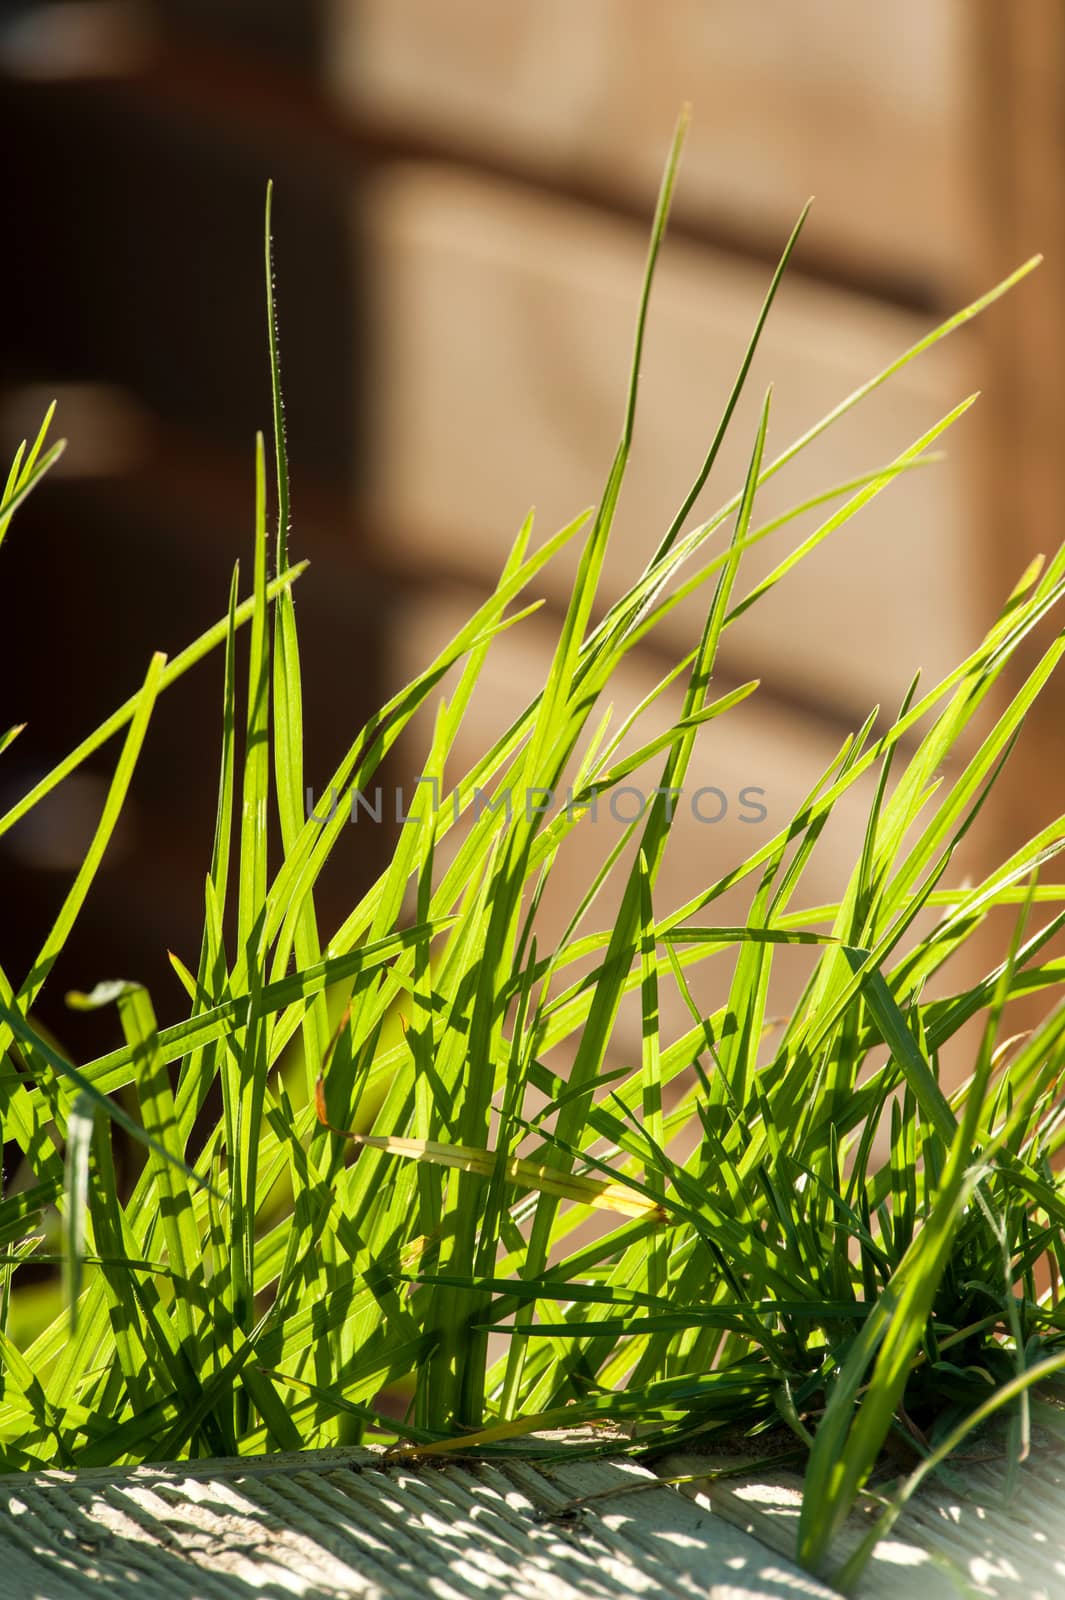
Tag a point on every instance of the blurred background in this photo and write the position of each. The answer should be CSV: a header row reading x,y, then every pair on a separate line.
x,y
463,193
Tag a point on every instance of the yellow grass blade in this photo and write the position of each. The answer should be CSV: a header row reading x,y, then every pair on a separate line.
x,y
594,1192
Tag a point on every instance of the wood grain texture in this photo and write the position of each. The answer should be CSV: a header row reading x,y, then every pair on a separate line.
x,y
342,1525
964,1534
856,103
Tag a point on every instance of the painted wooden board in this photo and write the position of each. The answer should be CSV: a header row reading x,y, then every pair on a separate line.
x,y
345,1524
341,1525
857,102
502,332
964,1534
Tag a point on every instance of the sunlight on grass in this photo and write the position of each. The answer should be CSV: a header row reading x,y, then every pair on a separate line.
x,y
797,1223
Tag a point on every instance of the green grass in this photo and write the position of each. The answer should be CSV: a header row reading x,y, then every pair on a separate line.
x,y
848,1248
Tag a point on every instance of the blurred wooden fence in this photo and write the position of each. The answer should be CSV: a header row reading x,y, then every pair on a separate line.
x,y
464,197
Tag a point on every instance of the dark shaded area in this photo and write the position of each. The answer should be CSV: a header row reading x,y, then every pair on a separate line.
x,y
134,261
280,29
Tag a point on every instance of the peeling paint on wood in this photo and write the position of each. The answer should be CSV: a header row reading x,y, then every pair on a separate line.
x,y
344,1525
964,1534
352,1525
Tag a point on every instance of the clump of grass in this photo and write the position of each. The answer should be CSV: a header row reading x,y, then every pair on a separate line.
x,y
848,1248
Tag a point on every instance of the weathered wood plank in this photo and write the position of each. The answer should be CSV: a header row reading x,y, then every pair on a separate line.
x,y
343,1525
503,333
963,1534
340,1524
858,104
